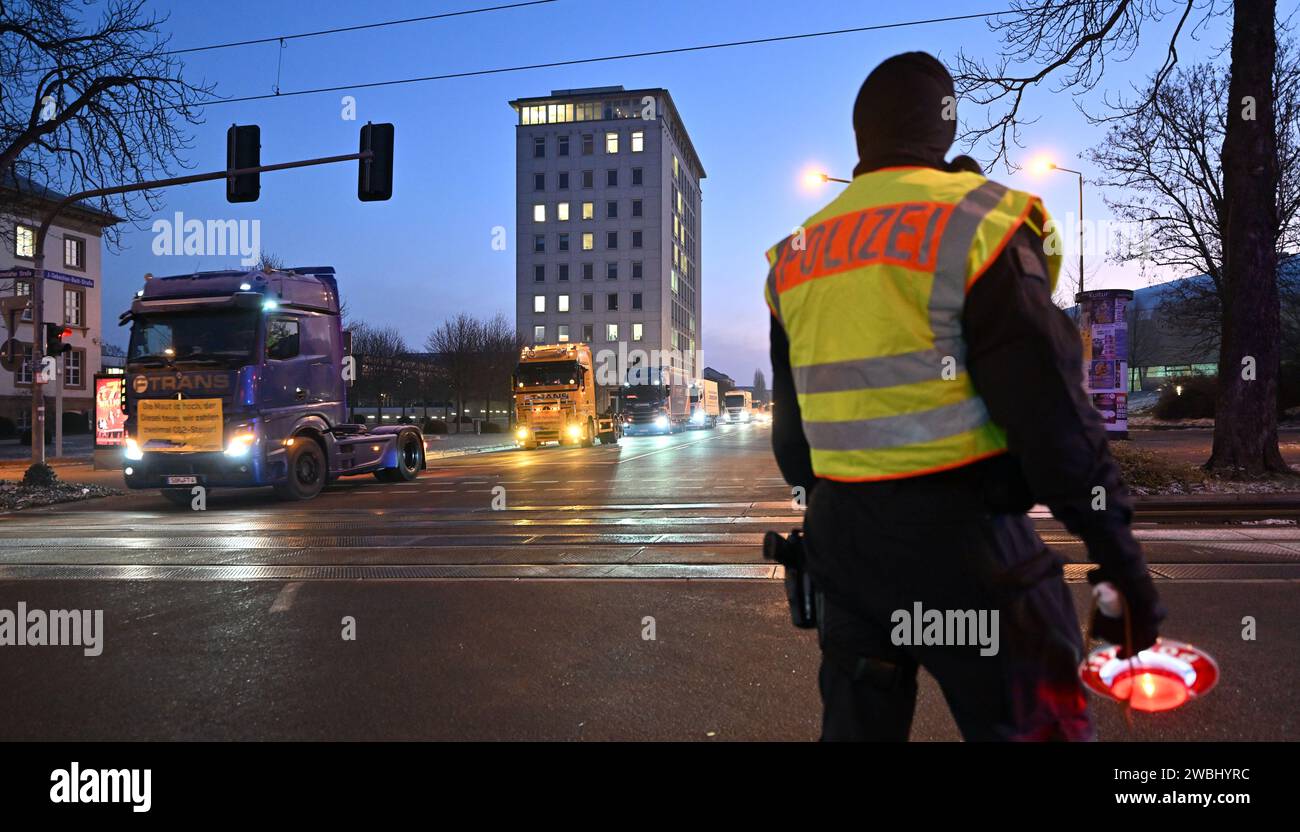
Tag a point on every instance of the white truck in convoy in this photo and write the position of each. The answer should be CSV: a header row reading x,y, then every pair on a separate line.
x,y
739,406
705,407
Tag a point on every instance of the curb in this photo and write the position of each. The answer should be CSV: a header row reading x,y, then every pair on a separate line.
x,y
482,449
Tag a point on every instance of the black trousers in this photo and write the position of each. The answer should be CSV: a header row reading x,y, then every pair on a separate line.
x,y
878,550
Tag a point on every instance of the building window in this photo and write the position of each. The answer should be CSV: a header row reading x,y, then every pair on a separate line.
x,y
72,363
562,211
588,241
564,272
74,253
539,213
564,242
539,303
636,176
24,374
611,332
588,144
588,179
636,207
611,209
611,271
74,307
611,302
638,141
611,142
611,178
636,301
588,332
588,271
563,337
24,241
539,147
24,288
563,184
588,302
539,243
539,273
562,303
562,146
636,239
588,210
636,269
611,240
539,181
539,335
637,331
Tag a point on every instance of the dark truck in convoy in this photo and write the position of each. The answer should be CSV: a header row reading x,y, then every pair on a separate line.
x,y
239,379
655,400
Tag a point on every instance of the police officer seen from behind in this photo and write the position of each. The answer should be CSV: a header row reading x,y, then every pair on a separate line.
x,y
927,393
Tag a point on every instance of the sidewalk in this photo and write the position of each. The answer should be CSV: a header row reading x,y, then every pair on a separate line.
x,y
442,445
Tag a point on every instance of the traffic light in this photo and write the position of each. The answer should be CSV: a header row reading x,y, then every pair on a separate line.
x,y
11,351
243,150
375,175
54,335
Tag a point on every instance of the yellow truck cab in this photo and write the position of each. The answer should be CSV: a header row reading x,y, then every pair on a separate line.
x,y
555,398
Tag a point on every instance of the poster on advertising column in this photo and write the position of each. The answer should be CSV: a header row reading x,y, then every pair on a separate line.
x,y
110,418
1103,329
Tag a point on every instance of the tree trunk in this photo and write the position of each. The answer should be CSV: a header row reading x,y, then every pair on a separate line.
x,y
1245,425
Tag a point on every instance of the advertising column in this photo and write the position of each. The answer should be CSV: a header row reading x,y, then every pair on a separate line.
x,y
1103,325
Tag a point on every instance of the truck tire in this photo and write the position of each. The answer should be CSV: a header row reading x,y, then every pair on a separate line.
x,y
410,455
307,472
182,497
588,435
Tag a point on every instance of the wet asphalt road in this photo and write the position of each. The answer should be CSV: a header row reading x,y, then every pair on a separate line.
x,y
529,619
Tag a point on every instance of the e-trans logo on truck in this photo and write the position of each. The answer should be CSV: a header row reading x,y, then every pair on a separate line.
x,y
181,382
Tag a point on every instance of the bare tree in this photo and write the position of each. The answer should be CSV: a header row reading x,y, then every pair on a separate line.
x,y
89,103
760,386
458,343
1069,41
378,351
500,355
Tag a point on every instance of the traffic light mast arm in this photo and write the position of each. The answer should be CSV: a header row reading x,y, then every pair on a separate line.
x,y
38,261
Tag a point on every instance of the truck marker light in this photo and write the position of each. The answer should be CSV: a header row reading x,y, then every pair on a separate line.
x,y
288,443
374,448
244,287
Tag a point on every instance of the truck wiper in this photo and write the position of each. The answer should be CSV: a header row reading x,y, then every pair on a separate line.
x,y
201,359
152,360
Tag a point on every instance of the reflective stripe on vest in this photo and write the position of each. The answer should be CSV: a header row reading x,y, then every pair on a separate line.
x,y
891,412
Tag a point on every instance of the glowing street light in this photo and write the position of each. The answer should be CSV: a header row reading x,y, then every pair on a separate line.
x,y
1041,166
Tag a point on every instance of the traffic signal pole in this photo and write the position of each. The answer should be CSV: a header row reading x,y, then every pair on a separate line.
x,y
38,267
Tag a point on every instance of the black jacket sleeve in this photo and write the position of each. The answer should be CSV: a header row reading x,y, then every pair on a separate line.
x,y
790,446
1025,358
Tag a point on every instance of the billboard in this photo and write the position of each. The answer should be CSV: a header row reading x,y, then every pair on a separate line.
x,y
110,417
1103,326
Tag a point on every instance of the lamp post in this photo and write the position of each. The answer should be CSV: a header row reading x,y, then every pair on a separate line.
x,y
1054,166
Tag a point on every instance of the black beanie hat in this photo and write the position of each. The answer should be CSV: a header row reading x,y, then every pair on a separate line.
x,y
898,116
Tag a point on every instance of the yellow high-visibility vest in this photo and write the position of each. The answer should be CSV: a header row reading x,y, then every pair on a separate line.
x,y
870,292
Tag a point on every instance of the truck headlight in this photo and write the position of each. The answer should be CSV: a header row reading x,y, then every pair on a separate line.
x,y
661,421
240,444
133,451
521,433
575,431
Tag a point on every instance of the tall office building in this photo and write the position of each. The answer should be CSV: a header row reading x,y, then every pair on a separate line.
x,y
608,225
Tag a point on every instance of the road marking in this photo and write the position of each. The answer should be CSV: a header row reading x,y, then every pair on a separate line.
x,y
284,599
621,460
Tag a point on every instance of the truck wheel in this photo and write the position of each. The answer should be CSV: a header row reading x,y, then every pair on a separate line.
x,y
307,472
178,496
589,435
409,456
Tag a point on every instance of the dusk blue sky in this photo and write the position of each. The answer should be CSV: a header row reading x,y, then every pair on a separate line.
x,y
759,116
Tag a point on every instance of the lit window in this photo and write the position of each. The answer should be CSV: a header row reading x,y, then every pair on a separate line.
x,y
611,332
611,142
637,331
588,210
72,368
74,252
676,170
539,334
588,241
539,213
564,333
539,303
74,302
562,212
638,142
562,303
24,241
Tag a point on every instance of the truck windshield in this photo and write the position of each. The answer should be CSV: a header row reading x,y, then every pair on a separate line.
x,y
735,398
643,393
223,336
547,373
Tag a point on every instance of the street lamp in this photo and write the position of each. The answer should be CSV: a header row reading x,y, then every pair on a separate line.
x,y
1041,166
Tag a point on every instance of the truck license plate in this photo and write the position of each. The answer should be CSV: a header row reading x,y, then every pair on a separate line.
x,y
182,480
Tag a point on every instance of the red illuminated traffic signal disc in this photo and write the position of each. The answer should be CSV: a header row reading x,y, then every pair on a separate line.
x,y
1160,678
